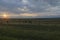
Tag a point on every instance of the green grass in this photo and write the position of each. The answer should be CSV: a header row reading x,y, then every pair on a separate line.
x,y
30,32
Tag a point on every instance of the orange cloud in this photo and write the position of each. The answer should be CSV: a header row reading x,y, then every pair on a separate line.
x,y
29,14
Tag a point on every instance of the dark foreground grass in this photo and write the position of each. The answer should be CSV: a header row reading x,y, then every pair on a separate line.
x,y
29,32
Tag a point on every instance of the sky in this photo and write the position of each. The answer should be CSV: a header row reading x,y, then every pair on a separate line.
x,y
30,8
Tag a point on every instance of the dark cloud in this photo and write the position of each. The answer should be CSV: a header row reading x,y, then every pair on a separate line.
x,y
27,6
54,2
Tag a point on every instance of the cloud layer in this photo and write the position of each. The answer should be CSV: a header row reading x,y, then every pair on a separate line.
x,y
31,8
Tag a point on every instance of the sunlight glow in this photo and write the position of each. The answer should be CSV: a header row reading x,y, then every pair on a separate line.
x,y
29,15
5,16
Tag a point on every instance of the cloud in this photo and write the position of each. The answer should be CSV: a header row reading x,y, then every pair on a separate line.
x,y
54,2
25,2
34,8
29,15
53,9
24,9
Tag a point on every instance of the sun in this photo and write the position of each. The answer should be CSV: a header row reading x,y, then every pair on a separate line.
x,y
5,16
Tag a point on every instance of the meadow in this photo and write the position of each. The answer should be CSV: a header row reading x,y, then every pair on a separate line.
x,y
48,30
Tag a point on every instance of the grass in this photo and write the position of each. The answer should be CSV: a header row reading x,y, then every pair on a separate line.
x,y
30,32
45,29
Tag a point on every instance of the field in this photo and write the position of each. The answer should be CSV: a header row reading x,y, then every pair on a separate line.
x,y
46,30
